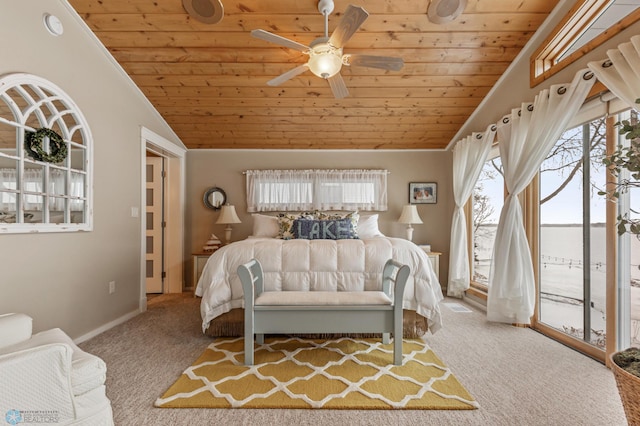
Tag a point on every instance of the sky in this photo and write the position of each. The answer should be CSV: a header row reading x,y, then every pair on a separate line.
x,y
566,207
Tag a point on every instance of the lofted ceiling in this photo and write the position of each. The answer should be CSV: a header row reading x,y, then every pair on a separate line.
x,y
209,81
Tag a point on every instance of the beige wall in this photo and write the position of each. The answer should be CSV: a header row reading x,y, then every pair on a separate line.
x,y
206,168
61,279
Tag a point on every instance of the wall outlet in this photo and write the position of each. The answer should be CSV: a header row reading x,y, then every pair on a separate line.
x,y
112,287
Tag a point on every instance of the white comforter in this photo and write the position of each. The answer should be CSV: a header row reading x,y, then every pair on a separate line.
x,y
318,265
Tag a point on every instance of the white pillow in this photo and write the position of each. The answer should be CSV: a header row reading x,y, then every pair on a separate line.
x,y
265,226
368,226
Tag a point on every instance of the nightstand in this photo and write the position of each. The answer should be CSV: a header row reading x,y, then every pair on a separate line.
x,y
199,260
434,256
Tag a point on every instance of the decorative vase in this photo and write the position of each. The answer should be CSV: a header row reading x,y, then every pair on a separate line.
x,y
629,390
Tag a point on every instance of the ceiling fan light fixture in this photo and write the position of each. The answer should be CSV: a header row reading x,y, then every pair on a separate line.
x,y
443,11
325,61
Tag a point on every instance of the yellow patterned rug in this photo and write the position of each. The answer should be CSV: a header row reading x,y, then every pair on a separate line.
x,y
304,373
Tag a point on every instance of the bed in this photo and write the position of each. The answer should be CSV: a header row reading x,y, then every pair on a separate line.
x,y
351,264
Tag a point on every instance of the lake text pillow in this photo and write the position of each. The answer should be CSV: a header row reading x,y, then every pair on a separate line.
x,y
336,229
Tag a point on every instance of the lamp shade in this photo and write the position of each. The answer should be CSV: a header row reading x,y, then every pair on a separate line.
x,y
409,215
228,215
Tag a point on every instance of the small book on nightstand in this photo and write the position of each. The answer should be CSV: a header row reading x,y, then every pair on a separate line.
x,y
212,244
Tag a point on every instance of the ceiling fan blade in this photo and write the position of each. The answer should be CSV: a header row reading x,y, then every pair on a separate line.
x,y
383,62
338,87
274,38
349,24
288,75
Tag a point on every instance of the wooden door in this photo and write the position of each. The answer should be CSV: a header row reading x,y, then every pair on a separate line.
x,y
155,229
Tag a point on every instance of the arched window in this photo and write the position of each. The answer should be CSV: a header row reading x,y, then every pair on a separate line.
x,y
46,164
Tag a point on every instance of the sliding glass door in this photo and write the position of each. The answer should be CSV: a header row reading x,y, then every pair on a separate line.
x,y
572,259
578,278
629,260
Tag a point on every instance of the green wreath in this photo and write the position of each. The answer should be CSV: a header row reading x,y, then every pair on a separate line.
x,y
57,148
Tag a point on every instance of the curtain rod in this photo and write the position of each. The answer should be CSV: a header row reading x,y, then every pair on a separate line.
x,y
318,170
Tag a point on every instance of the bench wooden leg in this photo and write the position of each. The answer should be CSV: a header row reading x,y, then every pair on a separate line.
x,y
386,338
260,339
397,349
248,337
397,335
248,350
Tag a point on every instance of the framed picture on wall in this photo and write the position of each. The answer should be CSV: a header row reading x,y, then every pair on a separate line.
x,y
423,192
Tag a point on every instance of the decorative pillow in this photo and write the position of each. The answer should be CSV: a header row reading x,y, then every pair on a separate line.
x,y
265,226
336,229
368,226
285,223
352,216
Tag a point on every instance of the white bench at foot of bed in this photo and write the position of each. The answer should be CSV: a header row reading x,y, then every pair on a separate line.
x,y
280,312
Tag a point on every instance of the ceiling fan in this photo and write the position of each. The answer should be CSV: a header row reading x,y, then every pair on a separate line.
x,y
325,53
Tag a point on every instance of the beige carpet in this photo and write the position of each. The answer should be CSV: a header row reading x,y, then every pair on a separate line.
x,y
304,373
518,376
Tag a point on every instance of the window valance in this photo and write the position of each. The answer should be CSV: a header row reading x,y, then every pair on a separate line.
x,y
316,189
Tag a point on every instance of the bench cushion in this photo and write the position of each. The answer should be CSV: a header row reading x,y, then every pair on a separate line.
x,y
322,298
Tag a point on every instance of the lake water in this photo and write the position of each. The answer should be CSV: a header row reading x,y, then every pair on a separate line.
x,y
561,277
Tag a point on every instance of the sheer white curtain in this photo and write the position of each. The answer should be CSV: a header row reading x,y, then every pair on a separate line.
x,y
57,187
273,190
33,182
526,136
8,180
621,72
469,156
297,190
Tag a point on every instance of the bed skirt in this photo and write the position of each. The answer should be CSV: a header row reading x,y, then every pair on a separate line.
x,y
231,324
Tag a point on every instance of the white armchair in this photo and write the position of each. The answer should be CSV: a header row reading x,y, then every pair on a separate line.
x,y
46,378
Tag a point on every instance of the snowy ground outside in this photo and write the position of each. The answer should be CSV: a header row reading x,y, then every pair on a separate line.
x,y
561,277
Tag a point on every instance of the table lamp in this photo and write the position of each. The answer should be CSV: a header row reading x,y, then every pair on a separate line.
x,y
227,217
409,216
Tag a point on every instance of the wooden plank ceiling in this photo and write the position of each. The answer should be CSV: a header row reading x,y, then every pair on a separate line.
x,y
209,81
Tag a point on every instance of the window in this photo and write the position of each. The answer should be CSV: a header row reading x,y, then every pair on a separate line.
x,y
629,258
587,25
296,190
45,186
578,280
572,297
488,198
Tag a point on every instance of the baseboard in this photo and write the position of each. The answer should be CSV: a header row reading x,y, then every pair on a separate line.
x,y
106,327
473,301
